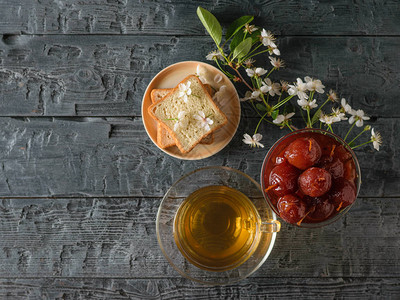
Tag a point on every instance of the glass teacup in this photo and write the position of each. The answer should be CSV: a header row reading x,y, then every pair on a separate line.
x,y
215,227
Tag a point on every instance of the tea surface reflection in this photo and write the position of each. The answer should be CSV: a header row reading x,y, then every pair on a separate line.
x,y
217,228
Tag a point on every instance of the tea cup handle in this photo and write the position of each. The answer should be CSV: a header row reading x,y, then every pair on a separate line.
x,y
270,226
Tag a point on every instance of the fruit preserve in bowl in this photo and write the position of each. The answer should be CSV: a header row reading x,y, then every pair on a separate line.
x,y
310,177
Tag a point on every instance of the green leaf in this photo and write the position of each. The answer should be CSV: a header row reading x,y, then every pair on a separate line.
x,y
316,116
242,49
256,36
261,107
237,25
275,113
211,24
239,36
237,39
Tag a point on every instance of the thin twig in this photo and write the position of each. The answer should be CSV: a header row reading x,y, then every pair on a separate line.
x,y
244,81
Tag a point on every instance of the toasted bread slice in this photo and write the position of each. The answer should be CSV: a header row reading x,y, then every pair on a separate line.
x,y
199,106
164,139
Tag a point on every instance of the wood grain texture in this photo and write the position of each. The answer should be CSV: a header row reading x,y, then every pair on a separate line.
x,y
254,288
114,157
179,17
81,182
116,238
107,76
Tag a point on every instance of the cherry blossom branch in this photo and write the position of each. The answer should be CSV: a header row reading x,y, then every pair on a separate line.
x,y
366,128
279,104
370,141
242,79
349,131
242,48
223,71
308,118
259,122
319,109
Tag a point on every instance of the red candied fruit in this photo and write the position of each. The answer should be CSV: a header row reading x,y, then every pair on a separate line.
x,y
320,211
291,208
280,158
283,179
315,182
342,153
349,171
343,193
303,153
333,166
327,148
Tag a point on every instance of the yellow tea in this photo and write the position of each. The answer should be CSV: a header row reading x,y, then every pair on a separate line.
x,y
217,228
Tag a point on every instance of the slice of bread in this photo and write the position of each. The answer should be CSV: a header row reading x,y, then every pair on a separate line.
x,y
199,104
164,139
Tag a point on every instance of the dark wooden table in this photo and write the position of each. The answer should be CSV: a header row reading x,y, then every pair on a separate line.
x,y
81,182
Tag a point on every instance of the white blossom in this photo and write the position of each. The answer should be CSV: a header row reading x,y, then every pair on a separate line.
x,y
327,119
250,72
253,141
283,118
213,55
313,104
299,89
284,85
347,108
314,85
338,115
249,28
203,121
376,139
251,96
274,50
249,62
256,72
221,96
332,96
307,104
218,78
185,91
269,87
277,62
358,116
181,121
267,38
204,75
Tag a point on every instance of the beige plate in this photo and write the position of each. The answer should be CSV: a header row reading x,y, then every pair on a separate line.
x,y
169,78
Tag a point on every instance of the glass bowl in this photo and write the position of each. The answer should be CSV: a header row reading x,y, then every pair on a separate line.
x,y
167,225
276,153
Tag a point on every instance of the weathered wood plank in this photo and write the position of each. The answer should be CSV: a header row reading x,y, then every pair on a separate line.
x,y
254,288
114,157
179,17
102,248
116,238
107,76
